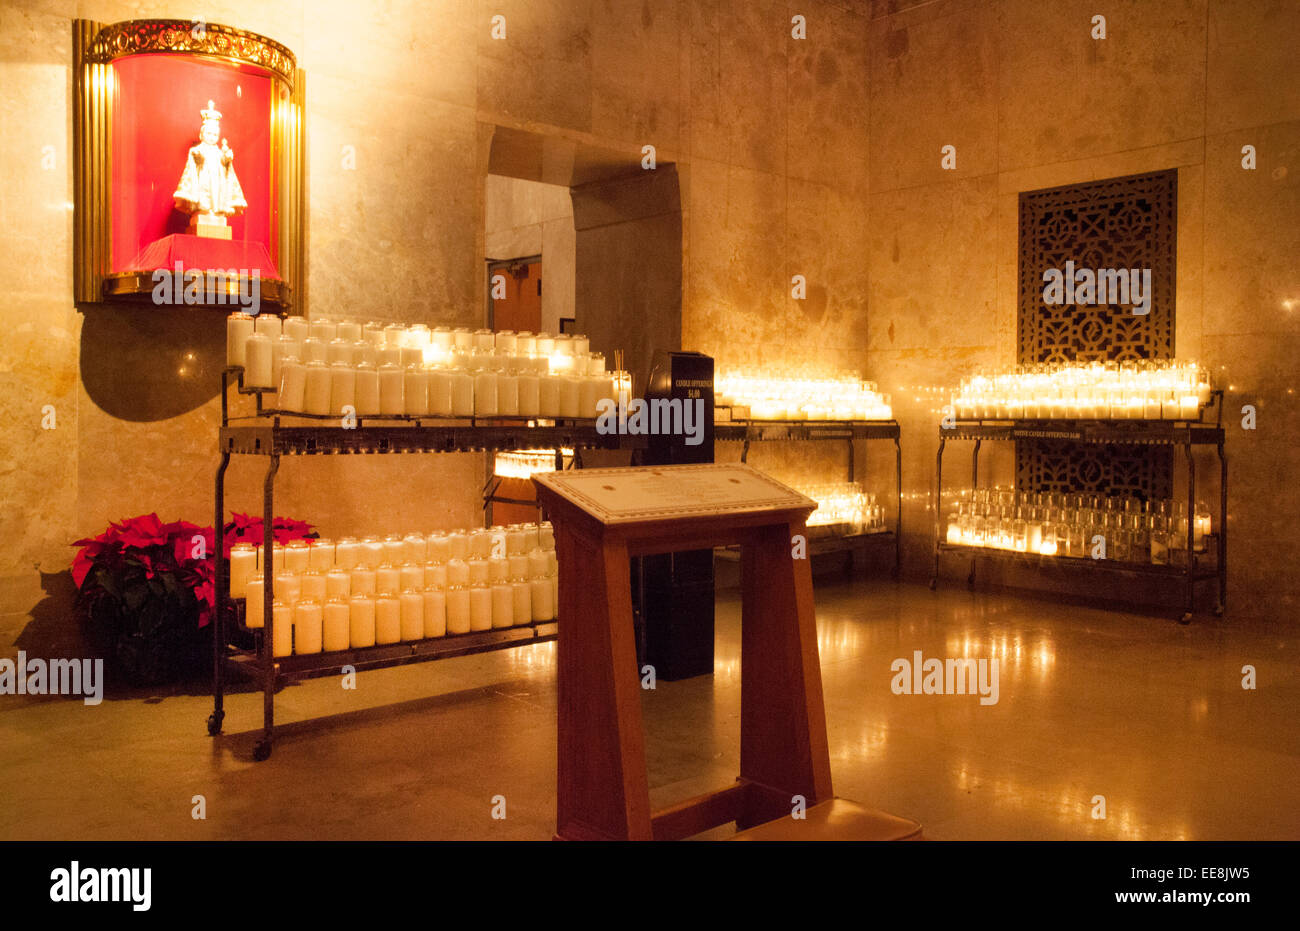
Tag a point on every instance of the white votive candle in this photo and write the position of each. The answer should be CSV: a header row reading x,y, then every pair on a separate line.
x,y
391,395
361,610
548,395
411,576
440,392
366,352
297,556
338,583
415,390
477,570
270,324
312,584
363,581
503,605
414,549
435,612
462,393
282,628
293,385
522,601
388,618
254,604
296,328
340,350
508,395
372,549
480,607
435,575
485,394
546,535
314,350
257,361
394,549
515,540
537,564
318,388
518,566
366,390
457,545
349,330
389,578
542,602
532,538
412,611
438,547
320,555
323,329
528,389
243,563
307,630
239,326
458,619
336,626
498,569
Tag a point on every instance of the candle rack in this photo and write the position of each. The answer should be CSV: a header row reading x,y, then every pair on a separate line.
x,y
264,434
745,430
1186,434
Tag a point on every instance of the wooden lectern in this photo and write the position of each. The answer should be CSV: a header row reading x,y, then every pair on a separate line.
x,y
601,518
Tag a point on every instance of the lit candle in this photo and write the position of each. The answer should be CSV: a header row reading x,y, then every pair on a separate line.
x,y
312,585
254,604
243,563
503,605
412,611
954,532
293,385
297,556
435,612
521,600
257,361
320,554
458,611
361,611
388,618
440,392
1190,407
317,399
543,603
391,397
307,626
282,628
480,607
239,326
342,392
1047,547
296,328
336,624
364,581
415,390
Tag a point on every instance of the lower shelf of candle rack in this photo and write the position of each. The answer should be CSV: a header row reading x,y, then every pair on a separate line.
x,y
1201,570
315,665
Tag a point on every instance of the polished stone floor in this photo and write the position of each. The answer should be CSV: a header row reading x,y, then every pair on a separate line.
x,y
1091,702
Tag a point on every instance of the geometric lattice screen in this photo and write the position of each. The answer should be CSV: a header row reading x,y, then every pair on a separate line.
x,y
1118,223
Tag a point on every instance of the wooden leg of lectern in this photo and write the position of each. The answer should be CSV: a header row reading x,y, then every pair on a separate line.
x,y
783,748
602,790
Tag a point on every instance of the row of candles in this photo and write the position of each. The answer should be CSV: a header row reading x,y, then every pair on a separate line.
x,y
1066,524
1146,390
844,504
792,398
354,593
323,366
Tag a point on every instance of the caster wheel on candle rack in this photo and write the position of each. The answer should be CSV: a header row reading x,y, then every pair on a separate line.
x,y
1185,619
1218,610
934,583
262,750
214,723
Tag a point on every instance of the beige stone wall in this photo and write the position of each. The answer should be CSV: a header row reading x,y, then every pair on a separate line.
x,y
1030,100
524,218
815,157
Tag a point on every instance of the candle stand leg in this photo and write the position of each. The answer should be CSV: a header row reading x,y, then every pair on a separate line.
x,y
938,506
219,602
1191,530
1223,532
270,668
974,484
898,507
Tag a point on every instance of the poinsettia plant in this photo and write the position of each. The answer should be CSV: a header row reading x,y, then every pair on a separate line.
x,y
147,589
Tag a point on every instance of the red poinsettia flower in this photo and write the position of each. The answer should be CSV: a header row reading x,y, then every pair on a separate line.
x,y
146,530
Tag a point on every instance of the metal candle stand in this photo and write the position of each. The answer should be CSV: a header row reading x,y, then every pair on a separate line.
x,y
265,436
1184,433
846,431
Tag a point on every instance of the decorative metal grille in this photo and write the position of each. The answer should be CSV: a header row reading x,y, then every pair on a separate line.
x,y
1118,223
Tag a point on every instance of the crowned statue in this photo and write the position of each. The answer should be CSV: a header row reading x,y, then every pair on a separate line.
x,y
209,191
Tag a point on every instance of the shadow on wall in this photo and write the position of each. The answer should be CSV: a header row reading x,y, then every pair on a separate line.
x,y
140,363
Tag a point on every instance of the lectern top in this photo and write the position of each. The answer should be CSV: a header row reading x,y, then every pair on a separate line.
x,y
648,493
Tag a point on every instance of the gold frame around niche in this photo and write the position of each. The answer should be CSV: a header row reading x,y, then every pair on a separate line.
x,y
95,46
